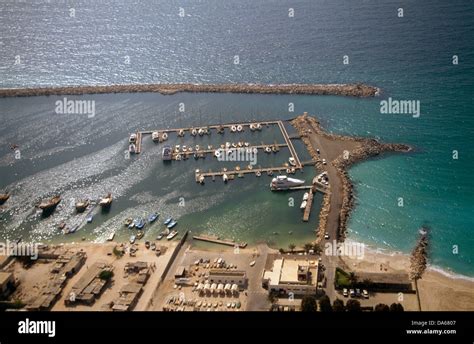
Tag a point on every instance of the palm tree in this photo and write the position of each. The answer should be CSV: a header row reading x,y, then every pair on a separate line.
x,y
291,247
353,306
352,278
308,304
308,246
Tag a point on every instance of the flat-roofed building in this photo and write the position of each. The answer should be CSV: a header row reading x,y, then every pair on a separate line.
x,y
224,276
297,275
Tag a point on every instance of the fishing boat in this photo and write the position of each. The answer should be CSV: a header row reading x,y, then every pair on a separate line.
x,y
233,128
201,131
82,205
239,128
160,236
220,129
284,183
128,221
106,201
132,148
111,236
303,204
194,132
166,153
155,136
292,161
172,235
153,217
140,224
140,234
132,239
258,173
181,133
172,224
164,137
89,219
268,149
252,127
201,179
4,197
225,178
168,220
259,126
50,203
133,138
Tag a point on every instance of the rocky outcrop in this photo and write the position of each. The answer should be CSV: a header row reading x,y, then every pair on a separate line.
x,y
355,90
418,258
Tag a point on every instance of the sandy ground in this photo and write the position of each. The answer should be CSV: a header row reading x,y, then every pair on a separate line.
x,y
437,291
253,298
102,252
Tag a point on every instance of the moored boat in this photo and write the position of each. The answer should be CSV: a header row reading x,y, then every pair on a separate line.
x,y
153,217
172,224
303,204
166,153
168,220
132,239
106,201
172,235
82,205
128,221
50,203
140,224
284,183
4,197
155,136
140,234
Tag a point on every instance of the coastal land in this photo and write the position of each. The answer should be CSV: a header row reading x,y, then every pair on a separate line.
x,y
180,268
354,90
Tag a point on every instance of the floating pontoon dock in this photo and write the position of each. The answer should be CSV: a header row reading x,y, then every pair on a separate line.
x,y
216,240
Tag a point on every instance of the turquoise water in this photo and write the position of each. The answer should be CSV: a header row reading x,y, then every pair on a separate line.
x,y
409,58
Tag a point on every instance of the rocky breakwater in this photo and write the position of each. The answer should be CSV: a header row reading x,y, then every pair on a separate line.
x,y
358,149
355,90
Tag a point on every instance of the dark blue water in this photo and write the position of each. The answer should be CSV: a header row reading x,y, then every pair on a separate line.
x,y
147,41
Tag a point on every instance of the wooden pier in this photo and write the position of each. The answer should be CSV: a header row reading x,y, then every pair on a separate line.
x,y
309,203
216,240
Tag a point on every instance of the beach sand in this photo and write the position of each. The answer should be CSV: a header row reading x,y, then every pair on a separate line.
x,y
437,291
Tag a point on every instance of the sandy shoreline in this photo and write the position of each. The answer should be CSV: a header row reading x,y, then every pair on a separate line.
x,y
438,290
354,90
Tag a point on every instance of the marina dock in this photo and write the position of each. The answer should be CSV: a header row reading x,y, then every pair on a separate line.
x,y
309,203
217,240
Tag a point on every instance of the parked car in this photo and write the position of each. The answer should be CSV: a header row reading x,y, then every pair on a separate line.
x,y
365,293
344,292
352,292
326,236
358,292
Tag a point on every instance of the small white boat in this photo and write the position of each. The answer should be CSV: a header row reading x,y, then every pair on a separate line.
x,y
132,148
303,204
239,128
201,179
252,127
284,183
133,138
225,178
132,239
252,263
217,153
172,235
164,137
268,149
181,133
201,131
194,132
292,161
111,236
258,173
233,128
155,136
259,126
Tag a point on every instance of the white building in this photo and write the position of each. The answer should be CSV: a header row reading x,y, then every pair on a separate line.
x,y
292,275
